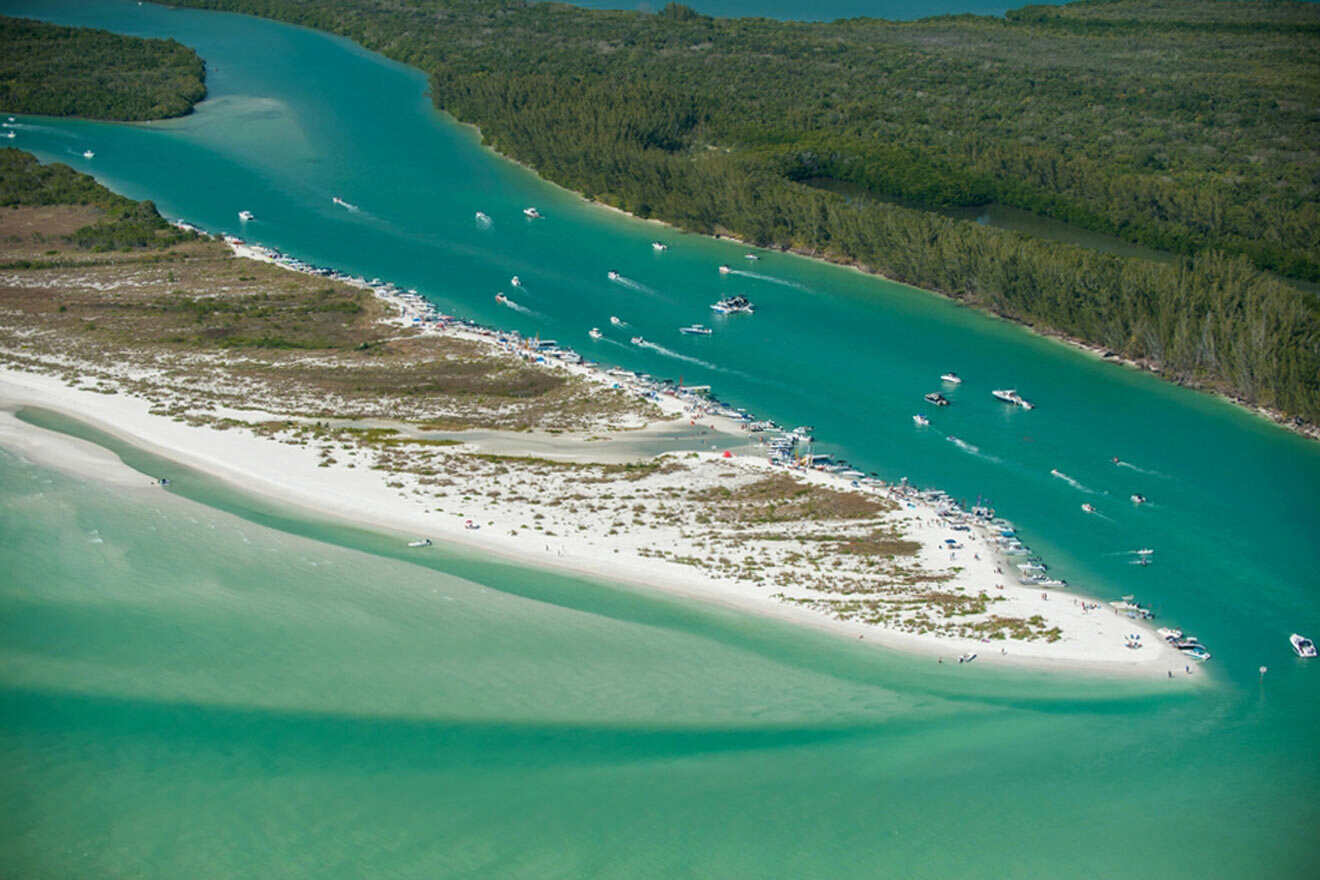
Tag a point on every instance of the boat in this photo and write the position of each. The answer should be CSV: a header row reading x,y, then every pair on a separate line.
x,y
595,333
734,305
637,340
343,204
1008,395
617,322
245,216
501,299
952,378
725,270
1196,651
936,398
1144,551
516,281
967,658
659,246
532,213
1138,499
483,217
10,135
612,275
921,420
424,542
1088,508
750,257
1304,647
695,330
1169,634
87,154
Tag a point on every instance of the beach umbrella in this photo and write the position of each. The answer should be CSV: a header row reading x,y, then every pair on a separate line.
x,y
728,454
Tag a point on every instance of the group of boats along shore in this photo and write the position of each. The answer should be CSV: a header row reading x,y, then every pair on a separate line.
x,y
786,448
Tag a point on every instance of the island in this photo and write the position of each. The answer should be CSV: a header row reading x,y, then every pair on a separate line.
x,y
50,70
359,402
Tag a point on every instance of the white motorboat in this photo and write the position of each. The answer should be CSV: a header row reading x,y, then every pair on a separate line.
x,y
659,246
750,257
612,275
637,340
1144,551
532,213
921,420
483,218
1304,647
516,281
87,154
424,542
501,299
1088,508
1008,395
595,333
343,204
725,270
952,378
245,216
1138,499
695,330
616,321
1169,634
936,398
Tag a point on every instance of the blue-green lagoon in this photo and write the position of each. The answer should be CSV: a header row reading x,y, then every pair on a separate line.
x,y
193,685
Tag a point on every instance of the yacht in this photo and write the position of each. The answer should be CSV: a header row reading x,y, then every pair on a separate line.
x,y
952,378
659,246
1303,646
637,340
616,321
516,281
612,275
921,420
245,216
936,398
725,270
1008,395
87,154
695,330
532,213
734,305
595,333
424,542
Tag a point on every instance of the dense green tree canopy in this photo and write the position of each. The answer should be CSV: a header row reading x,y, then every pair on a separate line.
x,y
62,71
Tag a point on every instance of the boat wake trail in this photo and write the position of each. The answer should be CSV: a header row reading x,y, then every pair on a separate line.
x,y
483,221
632,285
682,357
343,204
1132,467
770,278
1071,482
517,308
972,449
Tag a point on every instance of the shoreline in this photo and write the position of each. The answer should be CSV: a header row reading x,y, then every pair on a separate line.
x,y
1303,428
293,475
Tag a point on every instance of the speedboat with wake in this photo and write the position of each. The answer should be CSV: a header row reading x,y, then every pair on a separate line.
x,y
659,246
595,333
501,299
245,216
616,321
88,154
1088,508
695,330
952,378
612,275
1138,499
516,281
532,213
725,270
1304,647
637,340
1008,395
921,420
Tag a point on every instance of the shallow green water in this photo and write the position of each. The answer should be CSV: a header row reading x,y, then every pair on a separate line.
x,y
208,695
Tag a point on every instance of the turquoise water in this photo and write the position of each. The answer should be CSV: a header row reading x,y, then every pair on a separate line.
x,y
195,697
894,10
